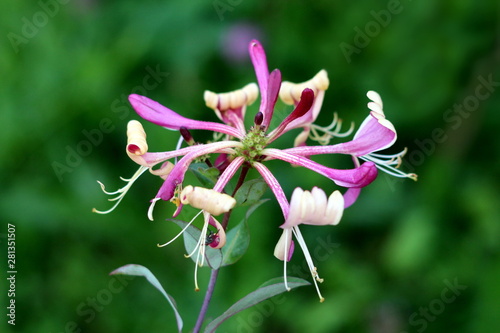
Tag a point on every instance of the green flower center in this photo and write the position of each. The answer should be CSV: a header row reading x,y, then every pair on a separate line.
x,y
253,144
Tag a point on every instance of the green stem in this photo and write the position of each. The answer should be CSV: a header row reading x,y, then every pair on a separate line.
x,y
215,272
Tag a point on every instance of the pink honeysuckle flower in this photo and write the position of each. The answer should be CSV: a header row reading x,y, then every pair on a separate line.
x,y
240,146
234,146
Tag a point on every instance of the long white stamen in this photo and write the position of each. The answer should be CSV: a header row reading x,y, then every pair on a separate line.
x,y
121,191
330,131
182,231
151,207
309,261
203,236
178,146
194,250
201,240
386,162
196,288
397,155
201,252
287,234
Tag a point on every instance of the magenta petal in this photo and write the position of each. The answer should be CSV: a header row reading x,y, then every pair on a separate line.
x,y
160,115
304,105
228,173
176,176
351,195
373,136
358,177
311,115
275,186
151,159
290,250
267,104
259,62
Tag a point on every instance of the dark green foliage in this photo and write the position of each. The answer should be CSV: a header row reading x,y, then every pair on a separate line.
x,y
64,110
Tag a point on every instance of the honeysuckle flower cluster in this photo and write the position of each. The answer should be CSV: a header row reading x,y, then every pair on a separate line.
x,y
236,147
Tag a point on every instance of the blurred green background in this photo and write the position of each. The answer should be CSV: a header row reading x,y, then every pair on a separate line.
x,y
67,67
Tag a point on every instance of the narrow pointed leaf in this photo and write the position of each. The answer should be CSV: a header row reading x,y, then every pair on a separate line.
x,y
268,290
138,270
213,257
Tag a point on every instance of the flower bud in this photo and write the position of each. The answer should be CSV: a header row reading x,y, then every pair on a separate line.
x,y
186,135
136,139
259,117
209,200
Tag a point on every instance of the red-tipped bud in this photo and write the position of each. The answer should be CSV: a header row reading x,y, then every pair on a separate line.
x,y
186,135
305,103
259,117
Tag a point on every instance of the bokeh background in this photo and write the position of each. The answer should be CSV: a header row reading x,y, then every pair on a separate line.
x,y
407,257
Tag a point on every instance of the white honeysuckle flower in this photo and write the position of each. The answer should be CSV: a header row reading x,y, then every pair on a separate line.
x,y
307,207
314,208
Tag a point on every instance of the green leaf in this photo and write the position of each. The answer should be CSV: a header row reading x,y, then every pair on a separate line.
x,y
138,270
237,241
206,175
269,289
250,192
238,238
213,257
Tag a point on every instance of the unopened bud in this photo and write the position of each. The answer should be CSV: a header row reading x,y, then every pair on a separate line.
x,y
209,200
259,117
186,135
136,138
